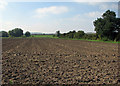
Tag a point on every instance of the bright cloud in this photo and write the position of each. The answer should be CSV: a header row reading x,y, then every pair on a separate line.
x,y
9,25
95,14
96,0
35,27
50,10
3,3
106,6
79,22
62,0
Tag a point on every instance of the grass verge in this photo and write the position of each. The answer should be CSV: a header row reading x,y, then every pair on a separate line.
x,y
90,40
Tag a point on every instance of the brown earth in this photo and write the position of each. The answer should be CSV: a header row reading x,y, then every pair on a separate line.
x,y
58,61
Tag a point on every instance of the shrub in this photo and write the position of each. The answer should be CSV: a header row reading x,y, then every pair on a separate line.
x,y
27,34
105,39
79,34
91,36
4,34
58,33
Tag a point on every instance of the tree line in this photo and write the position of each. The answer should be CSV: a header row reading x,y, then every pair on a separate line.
x,y
77,35
107,28
17,32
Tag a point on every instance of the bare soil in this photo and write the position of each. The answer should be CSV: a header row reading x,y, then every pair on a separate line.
x,y
58,61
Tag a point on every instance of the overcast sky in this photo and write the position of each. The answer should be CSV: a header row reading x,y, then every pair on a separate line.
x,y
48,17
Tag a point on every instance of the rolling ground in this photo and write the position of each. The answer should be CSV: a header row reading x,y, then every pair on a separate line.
x,y
58,61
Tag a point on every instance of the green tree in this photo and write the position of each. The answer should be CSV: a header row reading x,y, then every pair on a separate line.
x,y
58,33
4,34
11,33
79,34
71,34
91,36
117,27
107,26
27,34
17,32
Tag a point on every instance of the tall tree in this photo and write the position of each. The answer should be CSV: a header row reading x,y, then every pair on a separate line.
x,y
17,32
107,25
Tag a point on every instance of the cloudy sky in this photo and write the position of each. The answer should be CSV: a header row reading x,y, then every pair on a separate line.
x,y
48,17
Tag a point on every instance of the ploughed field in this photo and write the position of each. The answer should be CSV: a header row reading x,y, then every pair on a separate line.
x,y
58,61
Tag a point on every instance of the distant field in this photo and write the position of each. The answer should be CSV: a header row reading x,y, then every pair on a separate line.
x,y
50,36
